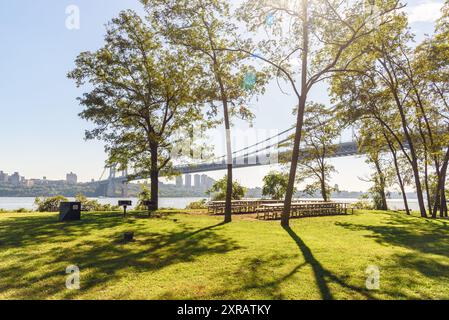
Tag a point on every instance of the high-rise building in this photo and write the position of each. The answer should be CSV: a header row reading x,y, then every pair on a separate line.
x,y
203,180
14,179
197,180
3,177
206,182
188,181
179,181
71,178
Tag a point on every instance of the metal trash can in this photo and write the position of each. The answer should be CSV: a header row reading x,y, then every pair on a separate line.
x,y
70,211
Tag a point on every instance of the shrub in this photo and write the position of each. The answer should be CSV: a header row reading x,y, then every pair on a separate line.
x,y
363,204
94,205
50,204
144,195
23,210
197,205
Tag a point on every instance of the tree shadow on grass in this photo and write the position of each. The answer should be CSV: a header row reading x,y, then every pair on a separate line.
x,y
422,235
266,277
30,230
322,275
105,260
429,252
254,278
318,269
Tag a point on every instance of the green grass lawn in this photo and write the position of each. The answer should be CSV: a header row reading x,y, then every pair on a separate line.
x,y
181,256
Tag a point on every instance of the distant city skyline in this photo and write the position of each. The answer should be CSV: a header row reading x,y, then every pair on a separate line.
x,y
15,178
44,135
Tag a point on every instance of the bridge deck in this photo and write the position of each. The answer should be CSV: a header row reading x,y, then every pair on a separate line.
x,y
342,150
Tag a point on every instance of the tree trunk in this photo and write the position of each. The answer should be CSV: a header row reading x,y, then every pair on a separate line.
x,y
398,172
401,182
384,205
441,184
426,183
443,205
414,158
414,162
229,160
323,187
285,219
443,198
422,207
444,202
154,177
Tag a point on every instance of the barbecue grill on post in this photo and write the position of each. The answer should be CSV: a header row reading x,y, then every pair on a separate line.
x,y
125,204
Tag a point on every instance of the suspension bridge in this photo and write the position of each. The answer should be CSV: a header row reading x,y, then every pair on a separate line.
x,y
270,151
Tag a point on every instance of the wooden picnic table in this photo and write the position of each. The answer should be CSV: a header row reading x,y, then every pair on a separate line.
x,y
246,206
238,206
298,209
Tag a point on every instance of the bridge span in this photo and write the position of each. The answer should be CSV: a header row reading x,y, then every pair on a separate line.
x,y
260,158
342,150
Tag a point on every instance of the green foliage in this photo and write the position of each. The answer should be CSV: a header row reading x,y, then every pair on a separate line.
x,y
197,205
218,190
22,210
94,205
50,204
321,128
47,190
275,185
142,97
144,195
363,203
378,200
228,76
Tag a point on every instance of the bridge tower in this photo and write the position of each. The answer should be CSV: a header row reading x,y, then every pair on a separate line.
x,y
124,184
112,187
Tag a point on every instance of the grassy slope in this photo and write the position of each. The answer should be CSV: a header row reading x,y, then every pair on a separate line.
x,y
194,257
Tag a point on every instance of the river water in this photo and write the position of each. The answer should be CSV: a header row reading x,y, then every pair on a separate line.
x,y
176,203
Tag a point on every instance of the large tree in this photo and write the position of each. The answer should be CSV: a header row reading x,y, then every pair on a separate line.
x,y
204,28
432,65
393,86
324,36
140,93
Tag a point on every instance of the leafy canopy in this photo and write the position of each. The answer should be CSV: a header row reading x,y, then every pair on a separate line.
x,y
218,190
141,92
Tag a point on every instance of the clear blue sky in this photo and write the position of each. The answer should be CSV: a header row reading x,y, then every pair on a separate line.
x,y
40,132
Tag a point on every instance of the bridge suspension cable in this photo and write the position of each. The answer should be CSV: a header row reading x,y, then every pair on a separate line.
x,y
257,144
104,171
